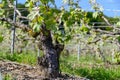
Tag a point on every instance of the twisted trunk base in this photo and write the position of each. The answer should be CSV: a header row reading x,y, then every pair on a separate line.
x,y
50,65
50,60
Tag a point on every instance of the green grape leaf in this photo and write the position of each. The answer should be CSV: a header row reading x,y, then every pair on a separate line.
x,y
36,27
51,24
95,14
33,14
118,38
84,28
118,23
1,12
109,28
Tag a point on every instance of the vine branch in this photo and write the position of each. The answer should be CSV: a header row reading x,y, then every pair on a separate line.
x,y
17,24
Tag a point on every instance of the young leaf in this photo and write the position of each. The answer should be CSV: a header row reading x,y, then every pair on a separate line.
x,y
1,12
95,14
118,23
36,27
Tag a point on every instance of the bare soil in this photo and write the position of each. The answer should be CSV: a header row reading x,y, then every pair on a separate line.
x,y
26,72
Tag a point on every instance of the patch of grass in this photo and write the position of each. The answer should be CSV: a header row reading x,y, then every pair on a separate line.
x,y
90,70
85,67
7,77
27,58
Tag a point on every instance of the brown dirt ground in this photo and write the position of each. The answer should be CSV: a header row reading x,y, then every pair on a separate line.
x,y
26,72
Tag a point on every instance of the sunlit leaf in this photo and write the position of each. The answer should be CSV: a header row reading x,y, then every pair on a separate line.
x,y
1,5
84,28
36,27
1,12
33,14
95,14
118,23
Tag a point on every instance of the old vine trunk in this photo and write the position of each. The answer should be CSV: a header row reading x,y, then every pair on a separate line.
x,y
50,60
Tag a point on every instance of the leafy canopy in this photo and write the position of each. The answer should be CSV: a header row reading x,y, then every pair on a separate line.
x,y
46,11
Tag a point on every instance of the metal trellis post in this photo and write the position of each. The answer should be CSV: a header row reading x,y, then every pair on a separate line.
x,y
13,28
0,76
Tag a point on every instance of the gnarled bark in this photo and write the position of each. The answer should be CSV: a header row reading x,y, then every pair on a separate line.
x,y
50,60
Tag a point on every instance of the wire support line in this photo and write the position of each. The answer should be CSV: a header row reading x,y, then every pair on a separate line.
x,y
117,10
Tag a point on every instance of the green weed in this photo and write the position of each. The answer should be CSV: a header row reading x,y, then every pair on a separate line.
x,y
90,69
85,67
27,58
